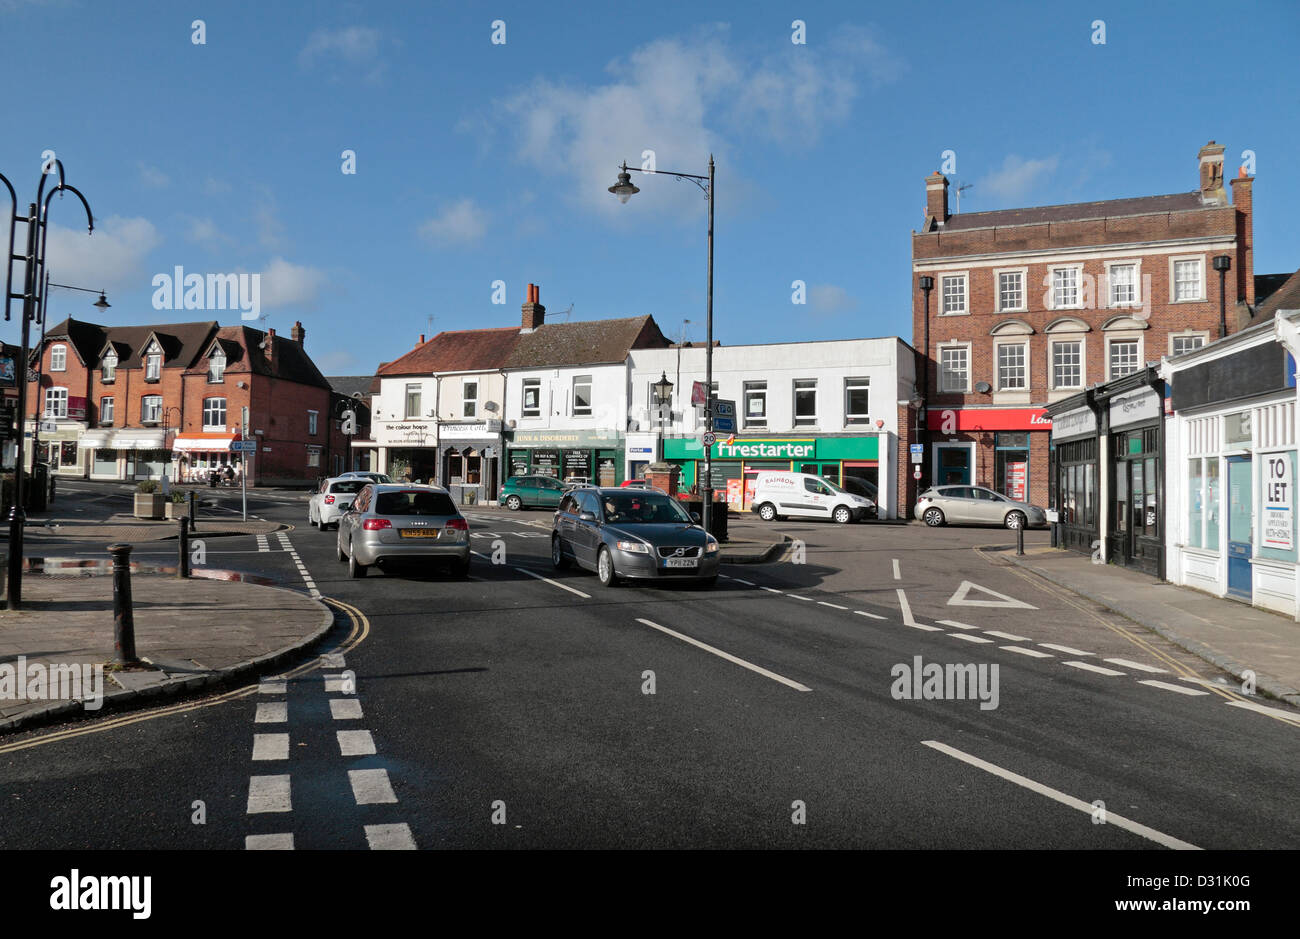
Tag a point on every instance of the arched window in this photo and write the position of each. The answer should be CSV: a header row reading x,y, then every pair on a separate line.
x,y
216,366
58,358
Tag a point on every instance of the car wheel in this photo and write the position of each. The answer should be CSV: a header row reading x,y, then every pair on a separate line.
x,y
767,512
843,515
514,503
605,569
558,560
1015,520
355,569
933,517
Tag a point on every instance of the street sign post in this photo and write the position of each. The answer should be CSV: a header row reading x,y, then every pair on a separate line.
x,y
917,450
724,416
710,439
248,460
916,473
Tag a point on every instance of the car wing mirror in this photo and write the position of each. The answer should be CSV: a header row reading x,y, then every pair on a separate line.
x,y
587,516
695,517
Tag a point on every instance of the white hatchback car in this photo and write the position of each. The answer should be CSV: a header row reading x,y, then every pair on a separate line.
x,y
332,499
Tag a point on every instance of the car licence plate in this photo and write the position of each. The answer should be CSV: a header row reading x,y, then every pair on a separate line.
x,y
419,533
680,562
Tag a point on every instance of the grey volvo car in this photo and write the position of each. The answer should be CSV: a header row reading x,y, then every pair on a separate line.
x,y
388,524
634,534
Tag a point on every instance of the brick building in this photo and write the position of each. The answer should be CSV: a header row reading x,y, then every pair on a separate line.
x,y
1030,306
135,402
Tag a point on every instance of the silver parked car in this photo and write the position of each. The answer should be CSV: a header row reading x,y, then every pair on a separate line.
x,y
331,500
641,534
389,524
975,505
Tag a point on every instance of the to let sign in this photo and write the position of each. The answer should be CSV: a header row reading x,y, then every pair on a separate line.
x,y
1279,502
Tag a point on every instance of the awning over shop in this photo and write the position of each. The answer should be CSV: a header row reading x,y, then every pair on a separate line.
x,y
204,442
137,440
94,439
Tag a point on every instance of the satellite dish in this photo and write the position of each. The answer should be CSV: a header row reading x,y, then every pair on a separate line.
x,y
983,387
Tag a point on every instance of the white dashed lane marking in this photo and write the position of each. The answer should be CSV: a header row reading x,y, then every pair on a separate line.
x,y
334,684
269,842
356,743
269,794
272,712
1168,687
771,590
1033,653
371,786
270,746
869,615
954,624
1138,665
345,709
1089,667
898,575
969,638
1012,637
795,596
390,837
1066,649
1261,709
727,655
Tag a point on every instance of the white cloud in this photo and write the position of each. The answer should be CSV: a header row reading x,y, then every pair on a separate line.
x,y
828,299
215,187
270,230
114,256
153,177
290,285
675,97
460,223
1016,178
205,232
351,46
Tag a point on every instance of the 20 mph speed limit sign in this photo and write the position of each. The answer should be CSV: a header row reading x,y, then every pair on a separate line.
x,y
710,439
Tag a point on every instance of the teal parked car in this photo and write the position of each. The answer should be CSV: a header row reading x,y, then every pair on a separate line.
x,y
540,491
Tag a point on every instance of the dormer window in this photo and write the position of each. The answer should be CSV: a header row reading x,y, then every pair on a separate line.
x,y
153,363
58,358
216,366
108,368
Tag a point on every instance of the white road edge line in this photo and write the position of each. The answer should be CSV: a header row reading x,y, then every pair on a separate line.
x,y
1261,709
1112,818
726,655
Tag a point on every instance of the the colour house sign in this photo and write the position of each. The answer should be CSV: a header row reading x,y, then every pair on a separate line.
x,y
766,449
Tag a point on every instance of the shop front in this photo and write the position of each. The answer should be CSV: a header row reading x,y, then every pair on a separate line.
x,y
1136,509
1233,471
1075,473
1004,449
735,466
408,449
469,459
59,448
567,454
195,455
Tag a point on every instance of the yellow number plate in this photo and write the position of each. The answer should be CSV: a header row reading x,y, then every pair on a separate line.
x,y
419,533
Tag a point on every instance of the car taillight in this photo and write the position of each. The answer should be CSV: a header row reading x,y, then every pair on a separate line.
x,y
329,500
375,524
458,524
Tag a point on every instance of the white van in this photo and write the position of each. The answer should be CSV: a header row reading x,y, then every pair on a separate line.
x,y
803,495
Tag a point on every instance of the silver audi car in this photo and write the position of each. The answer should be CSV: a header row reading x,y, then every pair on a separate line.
x,y
632,533
391,524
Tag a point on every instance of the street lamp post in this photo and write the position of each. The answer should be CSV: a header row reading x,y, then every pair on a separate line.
x,y
102,303
926,283
1222,263
33,299
663,390
167,466
625,190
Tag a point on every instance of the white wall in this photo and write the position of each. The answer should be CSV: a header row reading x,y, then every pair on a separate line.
x,y
609,399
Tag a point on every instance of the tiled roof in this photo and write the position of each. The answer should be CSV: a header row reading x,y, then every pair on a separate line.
x,y
586,342
1076,211
290,362
349,385
467,350
182,343
1286,297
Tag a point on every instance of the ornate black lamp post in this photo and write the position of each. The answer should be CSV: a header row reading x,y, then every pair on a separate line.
x,y
33,300
1222,263
625,190
663,391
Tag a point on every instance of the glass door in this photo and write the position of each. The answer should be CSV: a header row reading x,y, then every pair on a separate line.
x,y
954,465
1241,527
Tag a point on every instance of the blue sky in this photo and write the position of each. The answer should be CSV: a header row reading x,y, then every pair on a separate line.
x,y
478,162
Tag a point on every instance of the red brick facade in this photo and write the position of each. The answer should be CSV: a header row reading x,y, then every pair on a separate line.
x,y
1096,248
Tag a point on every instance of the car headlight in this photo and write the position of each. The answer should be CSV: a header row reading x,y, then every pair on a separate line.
x,y
711,546
633,547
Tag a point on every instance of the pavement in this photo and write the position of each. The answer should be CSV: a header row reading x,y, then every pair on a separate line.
x,y
128,528
195,633
1233,636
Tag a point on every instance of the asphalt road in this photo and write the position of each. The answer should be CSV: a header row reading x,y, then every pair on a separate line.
x,y
512,710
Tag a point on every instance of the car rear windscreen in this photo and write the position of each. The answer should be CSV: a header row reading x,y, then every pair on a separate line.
x,y
414,502
349,485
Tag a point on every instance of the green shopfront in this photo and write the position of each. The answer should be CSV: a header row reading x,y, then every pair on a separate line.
x,y
737,464
562,454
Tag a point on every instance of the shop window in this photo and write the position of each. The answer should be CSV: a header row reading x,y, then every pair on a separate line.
x,y
1012,465
1195,502
1237,430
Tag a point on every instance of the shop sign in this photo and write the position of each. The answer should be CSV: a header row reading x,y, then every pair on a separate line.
x,y
577,463
1279,502
565,438
468,431
1015,481
407,433
546,463
1078,423
1141,405
766,449
953,420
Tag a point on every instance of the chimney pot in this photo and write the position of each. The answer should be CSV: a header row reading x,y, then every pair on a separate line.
x,y
421,342
534,312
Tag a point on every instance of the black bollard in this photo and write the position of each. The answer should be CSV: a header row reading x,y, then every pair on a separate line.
x,y
194,521
183,548
1020,541
123,614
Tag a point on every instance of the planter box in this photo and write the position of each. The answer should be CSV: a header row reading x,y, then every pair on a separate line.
x,y
177,510
148,505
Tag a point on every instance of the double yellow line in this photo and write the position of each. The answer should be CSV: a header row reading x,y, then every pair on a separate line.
x,y
360,629
1060,593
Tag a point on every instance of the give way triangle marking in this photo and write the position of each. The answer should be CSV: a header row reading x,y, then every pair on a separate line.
x,y
962,598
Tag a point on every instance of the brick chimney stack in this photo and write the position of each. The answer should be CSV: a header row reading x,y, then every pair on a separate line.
x,y
298,334
270,345
936,198
1211,164
534,312
1245,261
